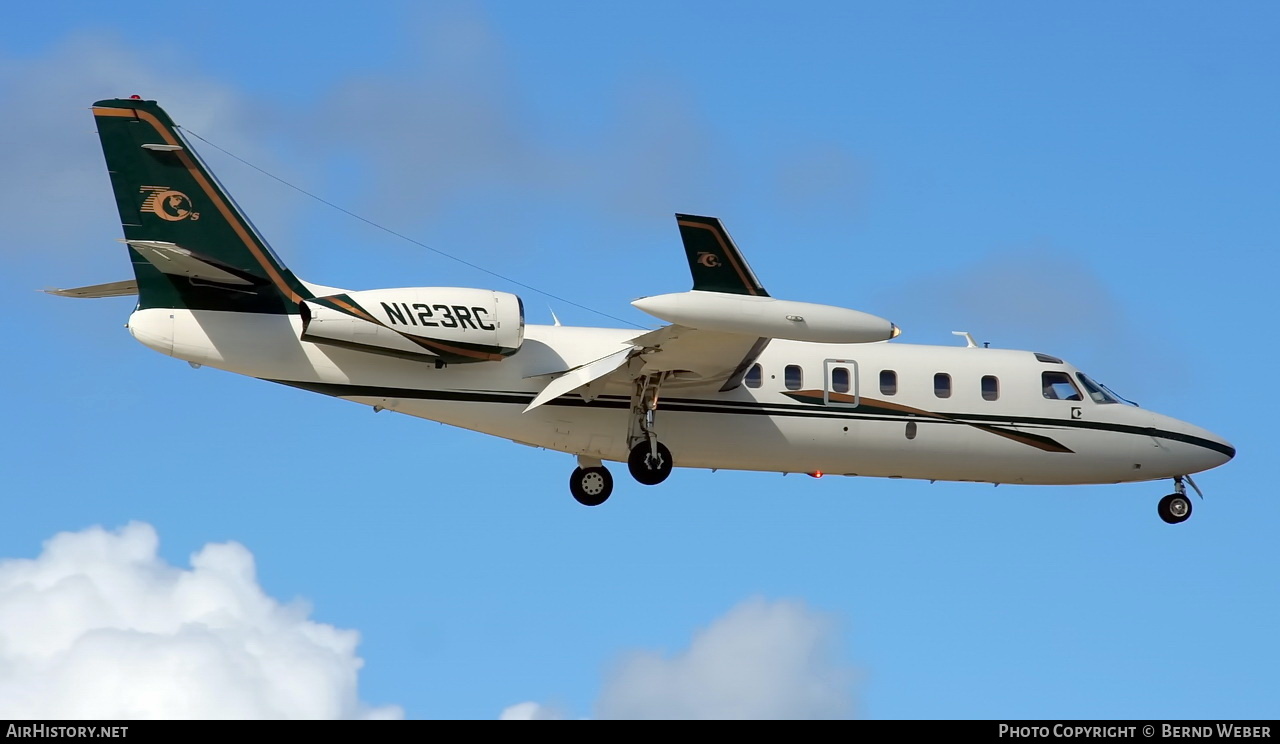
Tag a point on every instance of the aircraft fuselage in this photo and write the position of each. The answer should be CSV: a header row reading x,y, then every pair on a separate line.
x,y
816,420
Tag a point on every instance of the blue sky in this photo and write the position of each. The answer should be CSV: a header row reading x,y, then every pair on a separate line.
x,y
1096,181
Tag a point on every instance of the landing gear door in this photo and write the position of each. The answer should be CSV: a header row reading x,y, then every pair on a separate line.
x,y
840,382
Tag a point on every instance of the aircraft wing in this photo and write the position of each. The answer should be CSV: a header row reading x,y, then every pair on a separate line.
x,y
699,356
685,356
582,376
689,356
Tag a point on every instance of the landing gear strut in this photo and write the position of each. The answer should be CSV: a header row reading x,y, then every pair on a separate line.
x,y
1176,507
650,461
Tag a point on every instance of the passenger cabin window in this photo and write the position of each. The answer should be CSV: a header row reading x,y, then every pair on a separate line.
x,y
990,388
840,380
793,376
1058,386
754,376
888,382
942,385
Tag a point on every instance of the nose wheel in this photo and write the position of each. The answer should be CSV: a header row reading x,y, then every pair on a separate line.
x,y
1176,507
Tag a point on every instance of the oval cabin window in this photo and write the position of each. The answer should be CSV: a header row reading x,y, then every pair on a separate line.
x,y
840,380
793,377
942,385
888,382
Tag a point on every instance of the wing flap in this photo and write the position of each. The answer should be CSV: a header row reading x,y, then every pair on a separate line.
x,y
708,356
580,376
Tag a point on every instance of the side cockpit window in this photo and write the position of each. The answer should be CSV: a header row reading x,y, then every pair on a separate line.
x,y
755,376
1058,386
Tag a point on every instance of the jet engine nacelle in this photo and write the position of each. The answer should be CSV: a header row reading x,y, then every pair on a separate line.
x,y
768,317
447,324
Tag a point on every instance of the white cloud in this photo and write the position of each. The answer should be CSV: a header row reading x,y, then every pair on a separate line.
x,y
761,660
530,712
99,626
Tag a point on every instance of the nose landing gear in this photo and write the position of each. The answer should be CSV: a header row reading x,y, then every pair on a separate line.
x,y
1176,507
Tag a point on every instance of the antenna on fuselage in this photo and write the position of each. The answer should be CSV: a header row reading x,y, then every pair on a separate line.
x,y
968,339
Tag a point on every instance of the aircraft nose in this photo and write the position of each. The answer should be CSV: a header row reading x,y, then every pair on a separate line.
x,y
1204,450
1228,450
1225,449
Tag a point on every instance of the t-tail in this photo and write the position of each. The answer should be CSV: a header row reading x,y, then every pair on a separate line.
x,y
190,245
715,262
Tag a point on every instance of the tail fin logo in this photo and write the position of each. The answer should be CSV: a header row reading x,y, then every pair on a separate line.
x,y
708,259
168,204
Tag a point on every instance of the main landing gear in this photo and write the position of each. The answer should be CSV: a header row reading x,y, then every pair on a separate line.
x,y
1176,507
649,461
591,485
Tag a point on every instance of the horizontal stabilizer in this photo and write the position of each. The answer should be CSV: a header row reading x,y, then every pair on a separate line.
x,y
111,289
579,376
175,260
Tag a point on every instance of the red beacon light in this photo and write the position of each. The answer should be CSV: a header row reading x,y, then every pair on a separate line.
x,y
135,97
815,474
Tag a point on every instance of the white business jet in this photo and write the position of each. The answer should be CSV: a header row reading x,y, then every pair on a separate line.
x,y
737,380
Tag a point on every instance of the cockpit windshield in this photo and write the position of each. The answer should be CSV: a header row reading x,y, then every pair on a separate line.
x,y
1099,392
